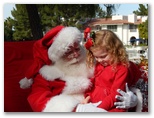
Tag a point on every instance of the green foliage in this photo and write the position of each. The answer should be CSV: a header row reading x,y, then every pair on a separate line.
x,y
142,10
143,27
100,13
143,30
110,8
8,32
20,22
66,14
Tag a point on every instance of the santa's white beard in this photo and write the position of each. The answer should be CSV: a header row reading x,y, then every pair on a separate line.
x,y
77,60
73,67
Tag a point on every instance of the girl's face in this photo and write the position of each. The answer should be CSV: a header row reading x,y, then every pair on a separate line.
x,y
102,56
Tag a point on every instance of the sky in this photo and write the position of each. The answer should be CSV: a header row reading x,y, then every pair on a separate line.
x,y
7,10
124,9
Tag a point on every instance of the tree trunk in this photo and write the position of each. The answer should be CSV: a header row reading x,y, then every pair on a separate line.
x,y
34,20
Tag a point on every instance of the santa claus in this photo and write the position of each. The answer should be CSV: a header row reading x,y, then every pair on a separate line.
x,y
59,72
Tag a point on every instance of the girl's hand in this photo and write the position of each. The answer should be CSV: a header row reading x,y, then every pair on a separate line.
x,y
86,100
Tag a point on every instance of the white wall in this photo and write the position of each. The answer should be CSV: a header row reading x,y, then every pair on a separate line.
x,y
119,17
122,33
132,18
119,32
144,18
125,34
136,34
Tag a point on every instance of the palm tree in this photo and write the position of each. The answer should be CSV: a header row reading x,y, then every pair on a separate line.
x,y
110,8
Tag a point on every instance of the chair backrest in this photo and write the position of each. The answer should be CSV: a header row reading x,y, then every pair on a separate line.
x,y
18,56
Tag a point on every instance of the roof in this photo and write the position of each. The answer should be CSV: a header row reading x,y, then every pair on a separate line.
x,y
99,21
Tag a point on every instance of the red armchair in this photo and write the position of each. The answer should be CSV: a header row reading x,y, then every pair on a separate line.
x,y
17,59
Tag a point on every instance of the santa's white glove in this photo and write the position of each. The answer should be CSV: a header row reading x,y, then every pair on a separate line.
x,y
90,107
128,99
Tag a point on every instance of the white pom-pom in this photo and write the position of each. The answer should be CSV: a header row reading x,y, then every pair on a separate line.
x,y
25,83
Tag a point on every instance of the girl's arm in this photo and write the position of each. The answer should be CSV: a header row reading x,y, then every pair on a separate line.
x,y
121,78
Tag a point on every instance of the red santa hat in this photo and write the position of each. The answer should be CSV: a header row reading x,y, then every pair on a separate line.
x,y
49,49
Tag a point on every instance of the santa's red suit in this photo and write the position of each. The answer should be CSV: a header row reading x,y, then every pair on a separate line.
x,y
58,85
57,89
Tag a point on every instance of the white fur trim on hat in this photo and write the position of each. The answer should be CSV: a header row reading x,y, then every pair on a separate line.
x,y
25,83
62,41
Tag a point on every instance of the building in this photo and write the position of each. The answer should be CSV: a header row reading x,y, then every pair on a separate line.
x,y
124,26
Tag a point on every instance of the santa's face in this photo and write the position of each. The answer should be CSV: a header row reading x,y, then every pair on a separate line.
x,y
73,53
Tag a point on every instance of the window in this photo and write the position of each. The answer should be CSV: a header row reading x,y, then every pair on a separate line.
x,y
112,28
98,27
133,28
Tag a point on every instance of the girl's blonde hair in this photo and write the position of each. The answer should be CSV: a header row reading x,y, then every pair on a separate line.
x,y
106,39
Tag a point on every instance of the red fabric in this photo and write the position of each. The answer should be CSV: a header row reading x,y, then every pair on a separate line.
x,y
42,91
134,74
86,33
88,44
106,84
87,30
17,59
40,52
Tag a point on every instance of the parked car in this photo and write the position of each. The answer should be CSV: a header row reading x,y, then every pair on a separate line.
x,y
139,41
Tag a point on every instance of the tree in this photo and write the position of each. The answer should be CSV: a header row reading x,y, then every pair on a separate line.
x,y
143,27
8,32
34,21
100,13
65,14
143,30
110,8
25,20
45,12
20,23
142,10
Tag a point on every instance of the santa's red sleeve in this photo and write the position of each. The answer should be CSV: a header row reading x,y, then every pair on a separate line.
x,y
42,92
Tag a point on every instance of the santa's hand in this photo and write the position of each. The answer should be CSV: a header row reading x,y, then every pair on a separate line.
x,y
128,99
90,107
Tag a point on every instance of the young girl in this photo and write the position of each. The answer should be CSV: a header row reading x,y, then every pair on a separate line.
x,y
112,69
